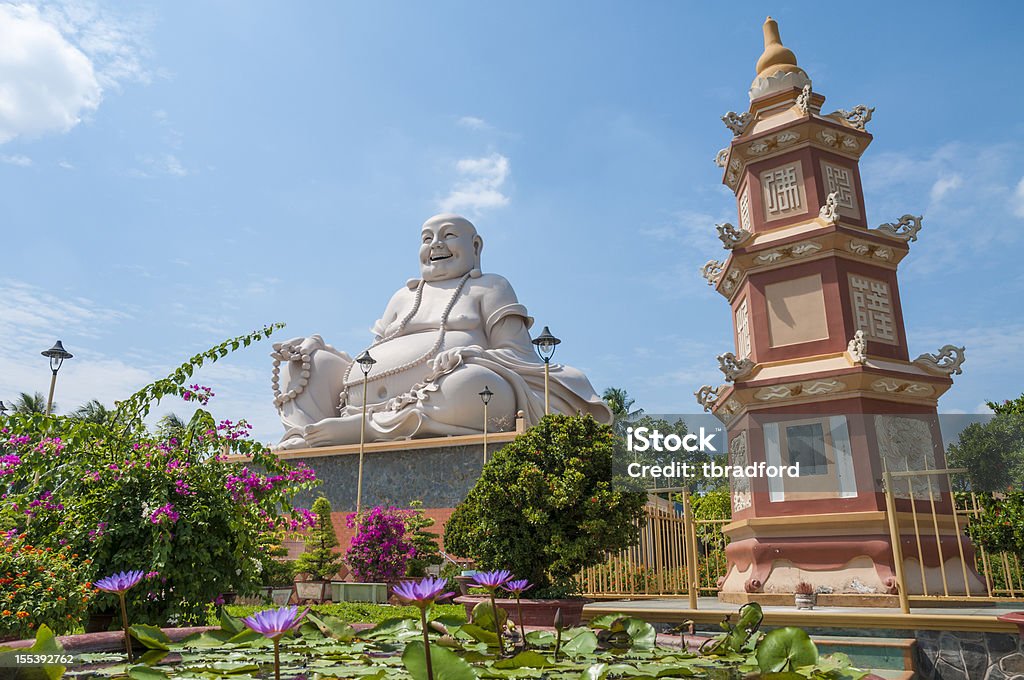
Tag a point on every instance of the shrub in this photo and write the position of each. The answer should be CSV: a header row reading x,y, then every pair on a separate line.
x,y
380,549
545,507
319,560
176,508
41,585
426,551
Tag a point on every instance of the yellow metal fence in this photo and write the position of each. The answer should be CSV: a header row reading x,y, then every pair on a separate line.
x,y
676,550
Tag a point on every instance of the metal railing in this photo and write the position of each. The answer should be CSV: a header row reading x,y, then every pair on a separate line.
x,y
930,522
679,556
675,551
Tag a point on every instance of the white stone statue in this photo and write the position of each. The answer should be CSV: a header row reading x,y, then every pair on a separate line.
x,y
441,340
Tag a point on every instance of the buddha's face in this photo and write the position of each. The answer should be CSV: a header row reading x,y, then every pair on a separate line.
x,y
449,248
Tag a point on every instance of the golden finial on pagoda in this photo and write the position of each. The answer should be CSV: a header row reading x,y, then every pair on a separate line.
x,y
776,69
776,56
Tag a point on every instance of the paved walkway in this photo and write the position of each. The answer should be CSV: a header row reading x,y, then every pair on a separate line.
x,y
711,610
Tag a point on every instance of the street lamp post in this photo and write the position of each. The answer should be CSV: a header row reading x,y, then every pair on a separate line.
x,y
545,344
485,397
366,362
56,354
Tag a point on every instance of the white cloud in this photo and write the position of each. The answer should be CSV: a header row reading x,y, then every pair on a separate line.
x,y
167,164
114,41
1017,201
473,123
66,165
480,184
56,60
22,161
48,83
943,185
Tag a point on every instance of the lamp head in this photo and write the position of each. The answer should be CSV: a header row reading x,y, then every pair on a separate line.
x,y
365,362
486,395
57,354
545,344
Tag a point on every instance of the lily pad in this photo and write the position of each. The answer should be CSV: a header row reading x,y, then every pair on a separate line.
x,y
150,636
446,664
527,659
786,649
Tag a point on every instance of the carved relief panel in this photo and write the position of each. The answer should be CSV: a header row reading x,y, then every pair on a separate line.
x,y
783,191
840,179
740,485
906,444
745,210
872,309
742,331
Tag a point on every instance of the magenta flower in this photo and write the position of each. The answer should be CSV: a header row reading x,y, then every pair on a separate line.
x,y
423,593
273,623
119,583
517,587
492,579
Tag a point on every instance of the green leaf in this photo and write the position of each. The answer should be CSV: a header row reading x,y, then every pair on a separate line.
x,y
150,636
540,638
483,616
226,667
446,664
580,645
46,643
527,659
641,633
786,649
392,626
228,622
605,621
211,638
153,656
248,637
333,627
146,673
480,634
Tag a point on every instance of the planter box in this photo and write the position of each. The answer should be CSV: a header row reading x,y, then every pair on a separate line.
x,y
376,593
279,595
316,591
535,612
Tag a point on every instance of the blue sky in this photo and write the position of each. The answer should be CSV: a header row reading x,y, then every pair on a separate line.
x,y
193,170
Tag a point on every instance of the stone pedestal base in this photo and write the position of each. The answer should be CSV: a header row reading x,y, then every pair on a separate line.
x,y
439,471
848,553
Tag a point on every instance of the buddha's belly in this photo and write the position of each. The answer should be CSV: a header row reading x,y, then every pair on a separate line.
x,y
401,363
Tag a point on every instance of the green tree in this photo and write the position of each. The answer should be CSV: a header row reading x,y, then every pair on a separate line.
x,y
31,403
993,453
620,403
171,426
320,560
427,551
545,506
92,411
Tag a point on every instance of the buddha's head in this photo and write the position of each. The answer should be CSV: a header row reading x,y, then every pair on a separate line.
x,y
449,247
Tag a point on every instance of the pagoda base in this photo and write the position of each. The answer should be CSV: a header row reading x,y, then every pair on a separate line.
x,y
844,554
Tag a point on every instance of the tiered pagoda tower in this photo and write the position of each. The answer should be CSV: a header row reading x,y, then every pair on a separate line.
x,y
821,373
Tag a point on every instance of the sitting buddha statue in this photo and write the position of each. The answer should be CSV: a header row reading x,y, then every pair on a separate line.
x,y
442,339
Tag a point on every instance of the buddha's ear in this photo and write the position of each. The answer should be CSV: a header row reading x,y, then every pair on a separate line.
x,y
478,247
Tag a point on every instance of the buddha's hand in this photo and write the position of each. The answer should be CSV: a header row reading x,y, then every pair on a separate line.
x,y
447,361
296,348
